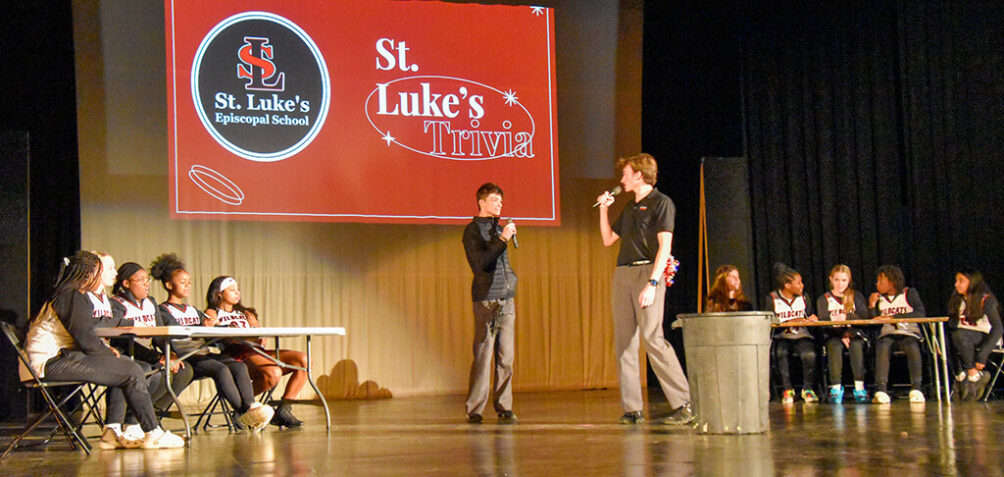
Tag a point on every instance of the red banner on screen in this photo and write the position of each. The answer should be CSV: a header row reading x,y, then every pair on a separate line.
x,y
360,111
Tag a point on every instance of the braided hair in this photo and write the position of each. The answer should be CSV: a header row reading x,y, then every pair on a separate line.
x,y
77,272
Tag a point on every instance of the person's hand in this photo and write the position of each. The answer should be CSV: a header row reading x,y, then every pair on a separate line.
x,y
605,199
980,366
210,321
883,318
812,319
873,299
177,365
846,340
115,352
647,296
508,231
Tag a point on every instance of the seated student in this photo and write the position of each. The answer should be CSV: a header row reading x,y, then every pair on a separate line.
x,y
789,305
224,308
894,300
131,302
727,292
231,376
974,315
62,346
843,303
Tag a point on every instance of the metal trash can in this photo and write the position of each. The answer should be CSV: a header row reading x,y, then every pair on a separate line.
x,y
728,366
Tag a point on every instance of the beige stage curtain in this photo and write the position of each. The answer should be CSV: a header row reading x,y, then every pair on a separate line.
x,y
401,291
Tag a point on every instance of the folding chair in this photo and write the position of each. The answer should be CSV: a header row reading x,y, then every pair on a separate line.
x,y
999,353
206,416
89,398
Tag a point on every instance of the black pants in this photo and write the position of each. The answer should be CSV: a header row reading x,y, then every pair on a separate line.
x,y
806,351
231,378
966,343
115,402
835,359
117,373
883,349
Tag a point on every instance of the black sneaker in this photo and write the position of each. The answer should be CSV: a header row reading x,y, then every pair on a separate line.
x,y
474,418
284,417
682,416
507,417
235,420
633,417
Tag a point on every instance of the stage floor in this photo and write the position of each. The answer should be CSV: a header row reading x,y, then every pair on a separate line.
x,y
566,433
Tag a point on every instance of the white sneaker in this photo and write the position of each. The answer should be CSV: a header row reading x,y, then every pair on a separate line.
x,y
917,396
881,397
961,376
975,378
112,438
134,432
161,439
257,417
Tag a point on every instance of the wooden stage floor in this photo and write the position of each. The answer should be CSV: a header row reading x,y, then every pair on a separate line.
x,y
565,433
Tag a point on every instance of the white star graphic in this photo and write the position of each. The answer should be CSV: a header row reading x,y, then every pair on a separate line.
x,y
537,10
510,97
387,137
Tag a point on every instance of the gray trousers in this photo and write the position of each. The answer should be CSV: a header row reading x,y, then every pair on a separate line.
x,y
494,323
631,321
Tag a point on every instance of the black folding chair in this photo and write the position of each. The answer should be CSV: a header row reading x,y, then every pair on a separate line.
x,y
218,405
998,353
89,397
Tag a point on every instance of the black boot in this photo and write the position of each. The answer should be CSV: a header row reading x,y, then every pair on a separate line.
x,y
284,416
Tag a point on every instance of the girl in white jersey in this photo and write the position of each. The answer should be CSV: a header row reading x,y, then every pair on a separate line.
x,y
790,305
975,319
894,300
224,308
231,376
844,303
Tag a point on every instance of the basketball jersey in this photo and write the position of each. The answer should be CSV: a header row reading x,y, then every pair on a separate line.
x,y
897,305
966,323
102,307
185,315
142,314
790,310
835,307
233,319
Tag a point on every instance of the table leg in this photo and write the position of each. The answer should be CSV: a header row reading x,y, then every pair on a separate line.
x,y
174,397
310,379
944,359
935,348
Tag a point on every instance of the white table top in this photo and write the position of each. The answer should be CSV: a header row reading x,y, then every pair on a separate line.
x,y
217,332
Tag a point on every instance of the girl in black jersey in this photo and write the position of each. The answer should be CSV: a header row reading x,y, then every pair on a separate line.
x,y
231,376
224,308
844,303
790,305
974,316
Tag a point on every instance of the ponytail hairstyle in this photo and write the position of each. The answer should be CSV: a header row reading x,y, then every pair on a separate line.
x,y
894,274
783,274
973,297
849,293
214,296
165,266
79,272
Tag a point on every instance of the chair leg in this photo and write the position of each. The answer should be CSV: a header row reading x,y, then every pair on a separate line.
x,y
990,387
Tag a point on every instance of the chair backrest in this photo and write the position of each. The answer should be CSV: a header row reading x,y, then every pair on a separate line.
x,y
15,341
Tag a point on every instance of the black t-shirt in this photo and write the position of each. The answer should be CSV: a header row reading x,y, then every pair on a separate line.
x,y
639,225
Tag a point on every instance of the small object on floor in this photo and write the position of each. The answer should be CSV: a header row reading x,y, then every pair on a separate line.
x,y
284,417
917,396
633,417
860,395
836,394
881,397
682,416
809,396
788,397
507,417
161,439
474,418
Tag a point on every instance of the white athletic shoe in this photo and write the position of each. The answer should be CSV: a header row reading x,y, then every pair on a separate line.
x,y
257,417
917,396
161,439
881,397
134,432
975,378
961,376
110,439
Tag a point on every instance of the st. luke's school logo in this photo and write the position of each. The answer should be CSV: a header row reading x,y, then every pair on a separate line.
x,y
260,86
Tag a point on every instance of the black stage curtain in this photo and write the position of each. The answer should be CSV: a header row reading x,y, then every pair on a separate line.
x,y
874,132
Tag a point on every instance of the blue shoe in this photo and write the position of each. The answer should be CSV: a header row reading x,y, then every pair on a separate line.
x,y
860,395
837,395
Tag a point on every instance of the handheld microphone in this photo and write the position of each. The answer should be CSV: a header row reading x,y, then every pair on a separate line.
x,y
616,190
515,241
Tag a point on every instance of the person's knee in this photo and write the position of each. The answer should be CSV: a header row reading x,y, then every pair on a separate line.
x,y
270,376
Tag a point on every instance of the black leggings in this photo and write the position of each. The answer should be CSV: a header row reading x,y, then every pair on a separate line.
x,y
835,359
806,351
115,402
966,344
118,373
231,378
883,349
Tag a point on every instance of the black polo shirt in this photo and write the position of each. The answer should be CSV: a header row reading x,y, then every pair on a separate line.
x,y
639,225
